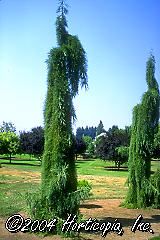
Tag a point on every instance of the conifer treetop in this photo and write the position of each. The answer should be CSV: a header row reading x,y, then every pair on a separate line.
x,y
150,72
62,8
61,23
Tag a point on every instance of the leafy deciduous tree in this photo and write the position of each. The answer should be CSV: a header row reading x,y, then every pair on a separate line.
x,y
9,143
80,147
122,155
32,142
106,145
89,145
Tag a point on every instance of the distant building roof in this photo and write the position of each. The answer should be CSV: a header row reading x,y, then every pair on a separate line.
x,y
101,135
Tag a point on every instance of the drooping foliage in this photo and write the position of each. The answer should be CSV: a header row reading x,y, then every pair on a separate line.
x,y
144,126
156,148
67,69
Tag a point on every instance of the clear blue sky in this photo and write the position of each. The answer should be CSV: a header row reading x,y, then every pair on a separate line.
x,y
117,35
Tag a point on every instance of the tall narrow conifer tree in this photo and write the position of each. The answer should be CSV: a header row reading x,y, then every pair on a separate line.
x,y
144,126
67,69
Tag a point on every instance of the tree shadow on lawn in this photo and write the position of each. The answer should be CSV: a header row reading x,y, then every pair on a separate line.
x,y
84,160
21,164
121,169
113,168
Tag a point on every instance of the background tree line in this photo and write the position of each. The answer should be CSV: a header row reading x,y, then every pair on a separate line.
x,y
26,142
111,145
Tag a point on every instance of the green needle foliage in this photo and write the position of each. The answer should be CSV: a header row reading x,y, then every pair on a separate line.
x,y
142,192
67,69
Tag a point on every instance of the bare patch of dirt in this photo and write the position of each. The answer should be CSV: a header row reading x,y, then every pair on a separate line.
x,y
106,187
20,173
26,175
104,210
109,210
6,235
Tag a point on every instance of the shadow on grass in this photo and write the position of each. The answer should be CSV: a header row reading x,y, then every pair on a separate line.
x,y
21,164
113,168
18,159
84,160
81,161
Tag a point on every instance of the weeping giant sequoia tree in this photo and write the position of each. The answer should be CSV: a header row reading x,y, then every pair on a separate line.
x,y
67,69
144,189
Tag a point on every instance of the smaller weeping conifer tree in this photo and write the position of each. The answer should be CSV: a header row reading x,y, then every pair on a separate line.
x,y
67,70
143,191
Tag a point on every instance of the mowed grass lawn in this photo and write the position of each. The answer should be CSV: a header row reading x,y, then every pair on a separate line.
x,y
23,176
